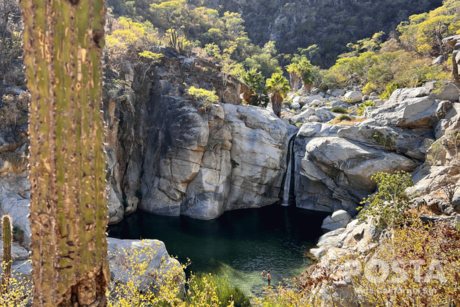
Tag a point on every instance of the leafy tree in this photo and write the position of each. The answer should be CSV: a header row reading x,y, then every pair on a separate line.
x,y
386,207
168,8
151,57
423,33
265,61
233,23
278,86
127,34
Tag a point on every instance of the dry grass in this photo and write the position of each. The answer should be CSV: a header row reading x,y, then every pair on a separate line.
x,y
422,210
352,122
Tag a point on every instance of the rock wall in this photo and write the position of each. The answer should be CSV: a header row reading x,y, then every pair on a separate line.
x,y
170,155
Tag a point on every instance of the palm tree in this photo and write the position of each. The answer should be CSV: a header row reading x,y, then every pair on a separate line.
x,y
257,94
278,86
302,69
293,69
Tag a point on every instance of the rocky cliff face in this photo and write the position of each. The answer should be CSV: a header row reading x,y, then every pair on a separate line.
x,y
170,155
329,23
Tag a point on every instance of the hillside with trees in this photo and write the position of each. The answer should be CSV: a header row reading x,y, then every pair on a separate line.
x,y
312,142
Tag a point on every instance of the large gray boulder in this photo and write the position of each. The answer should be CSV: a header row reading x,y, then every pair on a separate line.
x,y
412,142
407,93
124,255
357,162
354,96
334,173
449,91
421,112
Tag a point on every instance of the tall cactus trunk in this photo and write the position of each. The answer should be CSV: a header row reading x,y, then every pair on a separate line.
x,y
63,43
7,261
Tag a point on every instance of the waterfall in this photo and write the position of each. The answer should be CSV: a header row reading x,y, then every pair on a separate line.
x,y
289,173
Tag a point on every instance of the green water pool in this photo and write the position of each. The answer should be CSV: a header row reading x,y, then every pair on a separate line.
x,y
240,244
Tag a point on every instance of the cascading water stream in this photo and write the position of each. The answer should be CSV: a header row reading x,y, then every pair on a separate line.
x,y
288,180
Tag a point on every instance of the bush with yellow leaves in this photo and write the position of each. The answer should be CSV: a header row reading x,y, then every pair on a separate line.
x,y
414,265
140,281
17,292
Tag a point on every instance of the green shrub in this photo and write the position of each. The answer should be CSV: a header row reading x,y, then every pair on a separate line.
x,y
225,291
203,95
344,117
362,107
386,208
340,110
390,89
368,88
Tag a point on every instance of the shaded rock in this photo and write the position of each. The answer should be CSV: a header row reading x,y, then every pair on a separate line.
x,y
442,219
336,92
305,114
362,238
115,207
438,61
324,115
436,205
339,103
314,119
10,139
18,252
331,239
449,122
15,205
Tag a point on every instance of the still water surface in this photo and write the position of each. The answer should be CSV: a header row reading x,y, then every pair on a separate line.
x,y
240,244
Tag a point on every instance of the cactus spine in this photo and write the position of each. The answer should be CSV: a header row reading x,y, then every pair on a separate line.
x,y
7,261
63,43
